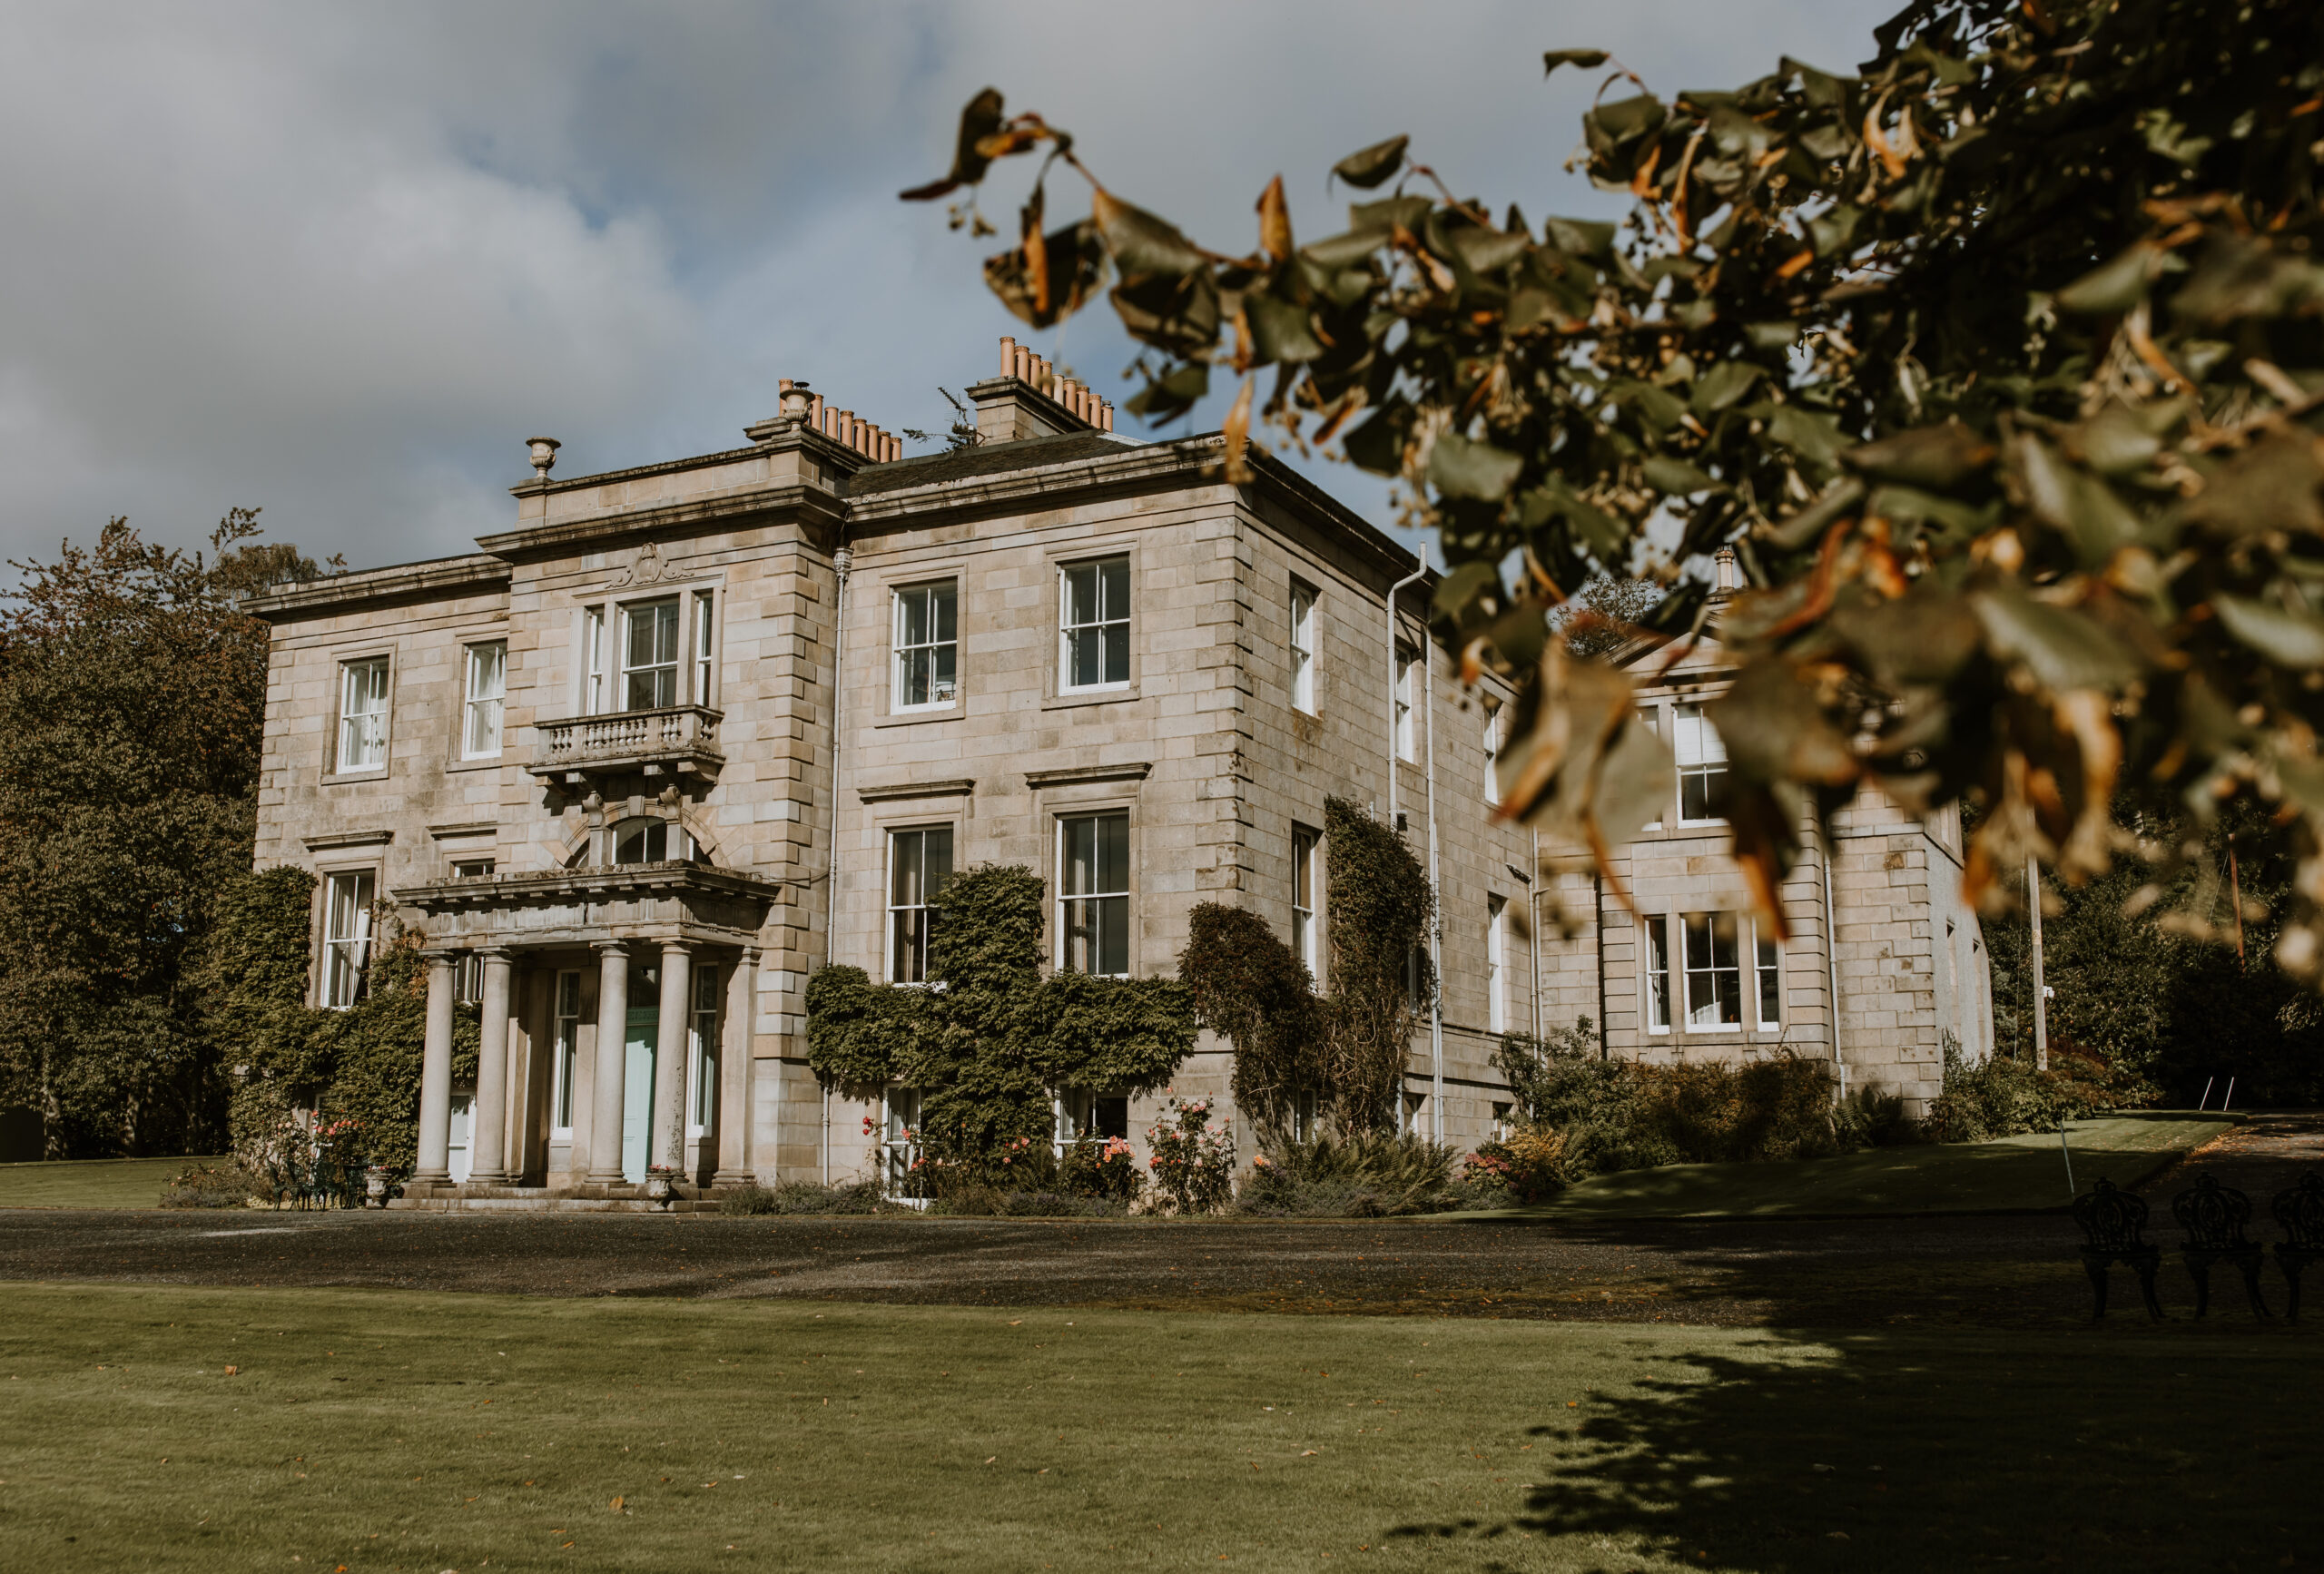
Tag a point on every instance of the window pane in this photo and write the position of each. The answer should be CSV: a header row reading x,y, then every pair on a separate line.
x,y
1117,653
1094,902
642,842
1770,985
1658,981
1114,586
1089,658
911,617
1113,950
1082,595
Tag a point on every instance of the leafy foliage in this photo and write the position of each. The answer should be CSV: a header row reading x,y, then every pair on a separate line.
x,y
1194,1166
1378,906
1367,1175
131,700
1249,989
1998,362
1615,1114
990,1038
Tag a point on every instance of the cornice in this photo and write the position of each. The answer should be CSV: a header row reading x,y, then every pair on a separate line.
x,y
1073,775
338,839
955,787
794,499
287,602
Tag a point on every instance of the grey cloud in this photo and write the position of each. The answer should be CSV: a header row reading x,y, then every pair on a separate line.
x,y
338,262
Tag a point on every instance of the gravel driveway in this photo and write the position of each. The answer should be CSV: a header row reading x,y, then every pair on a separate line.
x,y
1855,1272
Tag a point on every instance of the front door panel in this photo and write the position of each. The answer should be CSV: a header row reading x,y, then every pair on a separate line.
x,y
637,1089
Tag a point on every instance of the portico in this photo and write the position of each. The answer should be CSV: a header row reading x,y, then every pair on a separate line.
x,y
613,1037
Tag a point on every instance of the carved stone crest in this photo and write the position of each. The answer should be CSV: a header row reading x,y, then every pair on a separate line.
x,y
647,569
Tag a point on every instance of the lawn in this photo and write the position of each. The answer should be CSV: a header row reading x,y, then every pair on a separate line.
x,y
381,1429
94,1183
2014,1174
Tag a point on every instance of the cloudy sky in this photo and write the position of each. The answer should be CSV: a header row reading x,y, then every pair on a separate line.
x,y
338,262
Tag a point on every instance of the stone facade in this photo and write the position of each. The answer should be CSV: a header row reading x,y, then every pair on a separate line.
x,y
1885,925
530,867
641,763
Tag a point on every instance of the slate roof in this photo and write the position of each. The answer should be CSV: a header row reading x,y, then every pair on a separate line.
x,y
986,459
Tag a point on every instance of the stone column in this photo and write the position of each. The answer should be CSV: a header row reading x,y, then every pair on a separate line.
x,y
436,1074
735,1073
488,1145
668,1143
612,1034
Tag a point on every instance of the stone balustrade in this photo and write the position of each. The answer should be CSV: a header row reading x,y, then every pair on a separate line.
x,y
677,740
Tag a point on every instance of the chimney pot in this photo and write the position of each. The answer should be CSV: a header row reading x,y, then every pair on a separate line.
x,y
1008,354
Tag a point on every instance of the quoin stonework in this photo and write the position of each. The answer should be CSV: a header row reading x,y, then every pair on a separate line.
x,y
640,764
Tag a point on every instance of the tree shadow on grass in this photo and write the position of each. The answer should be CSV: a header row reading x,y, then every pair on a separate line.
x,y
2119,1447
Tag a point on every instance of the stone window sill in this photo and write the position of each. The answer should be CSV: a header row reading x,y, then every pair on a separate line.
x,y
1089,697
908,718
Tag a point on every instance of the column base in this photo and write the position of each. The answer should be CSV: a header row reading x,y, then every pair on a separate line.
x,y
436,1177
733,1178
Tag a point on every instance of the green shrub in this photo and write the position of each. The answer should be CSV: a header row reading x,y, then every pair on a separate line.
x,y
1194,1166
1101,1171
1529,1166
215,1185
2003,1095
1367,1175
749,1201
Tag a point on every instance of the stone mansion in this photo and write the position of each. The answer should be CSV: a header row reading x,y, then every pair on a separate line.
x,y
638,765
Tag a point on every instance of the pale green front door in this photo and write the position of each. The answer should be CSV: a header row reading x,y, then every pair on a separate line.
x,y
637,1089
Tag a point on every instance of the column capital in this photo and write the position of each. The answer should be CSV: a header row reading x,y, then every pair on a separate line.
x,y
610,947
496,953
435,958
677,947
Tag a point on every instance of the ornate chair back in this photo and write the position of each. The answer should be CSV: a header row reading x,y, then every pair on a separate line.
x,y
2110,1220
2213,1215
2301,1211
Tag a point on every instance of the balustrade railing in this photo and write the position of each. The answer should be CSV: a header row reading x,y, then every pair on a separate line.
x,y
674,732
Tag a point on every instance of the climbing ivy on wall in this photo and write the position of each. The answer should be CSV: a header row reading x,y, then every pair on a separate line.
x,y
1252,991
988,1039
1348,1048
362,1063
1377,908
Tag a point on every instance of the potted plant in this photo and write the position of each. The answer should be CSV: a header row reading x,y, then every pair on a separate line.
x,y
659,1177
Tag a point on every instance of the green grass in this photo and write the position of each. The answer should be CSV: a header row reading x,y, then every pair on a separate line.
x,y
2012,1173
375,1430
93,1182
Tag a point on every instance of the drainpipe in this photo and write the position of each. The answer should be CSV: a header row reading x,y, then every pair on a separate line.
x,y
1534,913
1435,915
2042,995
842,561
1597,933
1832,958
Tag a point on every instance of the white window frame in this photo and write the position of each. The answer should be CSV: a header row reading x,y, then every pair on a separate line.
x,y
706,650
1650,716
1708,925
1692,734
674,667
701,1050
596,697
1307,931
1302,646
899,1143
347,934
1766,975
904,650
924,909
363,716
1496,964
1099,901
1407,689
1492,754
677,842
565,1051
1102,623
1657,972
485,689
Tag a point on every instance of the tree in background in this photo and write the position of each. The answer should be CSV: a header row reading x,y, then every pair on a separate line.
x,y
988,1039
131,704
1998,363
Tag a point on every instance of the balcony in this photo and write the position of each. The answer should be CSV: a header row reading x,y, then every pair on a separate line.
x,y
675,740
